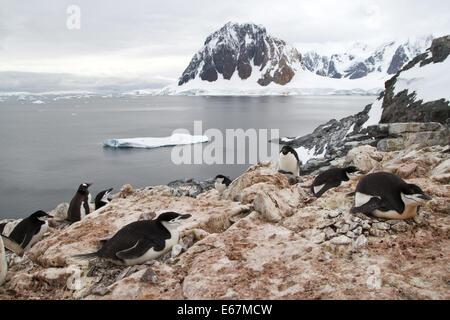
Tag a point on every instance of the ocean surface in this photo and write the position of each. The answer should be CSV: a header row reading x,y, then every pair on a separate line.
x,y
48,149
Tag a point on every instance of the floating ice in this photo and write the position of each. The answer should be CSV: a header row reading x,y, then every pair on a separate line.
x,y
38,102
149,143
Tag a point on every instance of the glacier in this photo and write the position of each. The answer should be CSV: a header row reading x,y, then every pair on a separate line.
x,y
151,142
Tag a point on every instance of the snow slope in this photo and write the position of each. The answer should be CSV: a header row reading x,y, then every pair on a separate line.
x,y
303,83
429,83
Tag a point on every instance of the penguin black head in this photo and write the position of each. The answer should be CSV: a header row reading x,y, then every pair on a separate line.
x,y
288,149
83,188
353,172
41,215
222,179
172,217
412,194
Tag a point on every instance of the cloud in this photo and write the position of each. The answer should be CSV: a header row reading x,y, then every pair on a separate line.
x,y
158,38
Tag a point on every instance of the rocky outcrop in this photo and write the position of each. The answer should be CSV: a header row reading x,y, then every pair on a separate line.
x,y
336,139
245,49
263,238
404,106
396,121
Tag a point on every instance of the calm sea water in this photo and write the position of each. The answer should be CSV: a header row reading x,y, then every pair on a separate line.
x,y
48,149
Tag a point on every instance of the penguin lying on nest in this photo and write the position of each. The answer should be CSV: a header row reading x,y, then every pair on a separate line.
x,y
333,178
30,230
141,241
385,195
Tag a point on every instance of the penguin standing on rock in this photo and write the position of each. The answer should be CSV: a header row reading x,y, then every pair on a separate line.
x,y
102,199
79,206
141,241
333,178
221,183
289,162
385,195
30,230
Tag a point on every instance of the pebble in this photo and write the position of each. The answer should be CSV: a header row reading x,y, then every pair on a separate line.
x,y
350,234
392,222
149,276
361,241
400,227
344,229
341,240
334,214
100,290
176,250
329,233
377,233
318,238
358,231
381,226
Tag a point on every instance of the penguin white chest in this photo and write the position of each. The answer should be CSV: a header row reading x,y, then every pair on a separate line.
x,y
38,236
409,212
3,265
82,209
289,163
220,186
152,254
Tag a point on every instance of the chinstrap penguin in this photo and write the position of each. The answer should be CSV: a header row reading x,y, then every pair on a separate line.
x,y
221,183
141,241
289,162
102,199
79,206
333,178
385,195
30,230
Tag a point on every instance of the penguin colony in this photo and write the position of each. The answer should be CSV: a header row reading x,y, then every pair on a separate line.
x,y
380,194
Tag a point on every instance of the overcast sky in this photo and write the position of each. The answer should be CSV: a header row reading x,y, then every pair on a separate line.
x,y
150,43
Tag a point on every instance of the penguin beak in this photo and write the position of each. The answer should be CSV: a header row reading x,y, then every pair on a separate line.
x,y
184,216
89,184
360,172
424,197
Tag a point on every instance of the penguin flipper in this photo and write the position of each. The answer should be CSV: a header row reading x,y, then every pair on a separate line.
x,y
141,246
367,208
28,236
13,246
327,187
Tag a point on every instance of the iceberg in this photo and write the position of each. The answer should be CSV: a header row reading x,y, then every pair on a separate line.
x,y
38,102
150,143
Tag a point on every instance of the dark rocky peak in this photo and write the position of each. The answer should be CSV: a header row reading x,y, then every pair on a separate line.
x,y
243,48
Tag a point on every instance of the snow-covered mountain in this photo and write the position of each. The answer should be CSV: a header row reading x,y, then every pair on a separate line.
x,y
360,60
243,59
246,49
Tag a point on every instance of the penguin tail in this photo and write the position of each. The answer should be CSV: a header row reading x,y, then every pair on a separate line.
x,y
306,187
86,256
